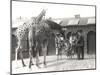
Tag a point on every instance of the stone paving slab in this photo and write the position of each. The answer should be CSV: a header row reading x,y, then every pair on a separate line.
x,y
55,65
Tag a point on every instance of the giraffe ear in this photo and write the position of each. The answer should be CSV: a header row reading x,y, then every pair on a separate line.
x,y
44,11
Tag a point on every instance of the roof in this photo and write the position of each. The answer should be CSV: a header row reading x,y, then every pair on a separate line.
x,y
91,21
53,25
83,21
75,21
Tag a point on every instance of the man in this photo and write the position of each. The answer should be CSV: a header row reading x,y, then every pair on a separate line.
x,y
80,45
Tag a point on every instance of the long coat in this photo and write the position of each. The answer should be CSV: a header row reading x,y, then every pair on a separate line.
x,y
80,47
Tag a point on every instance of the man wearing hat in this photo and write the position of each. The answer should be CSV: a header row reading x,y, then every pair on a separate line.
x,y
80,45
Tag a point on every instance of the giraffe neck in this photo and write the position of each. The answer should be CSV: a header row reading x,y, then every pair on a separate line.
x,y
40,16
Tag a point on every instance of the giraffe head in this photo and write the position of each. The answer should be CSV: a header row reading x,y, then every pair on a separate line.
x,y
43,12
40,16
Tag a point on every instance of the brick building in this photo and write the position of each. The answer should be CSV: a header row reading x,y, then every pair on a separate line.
x,y
88,25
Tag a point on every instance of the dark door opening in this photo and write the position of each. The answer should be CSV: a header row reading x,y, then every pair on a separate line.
x,y
91,42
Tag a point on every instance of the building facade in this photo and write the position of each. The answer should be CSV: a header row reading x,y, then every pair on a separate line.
x,y
87,24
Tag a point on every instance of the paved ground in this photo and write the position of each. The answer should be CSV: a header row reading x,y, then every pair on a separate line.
x,y
54,65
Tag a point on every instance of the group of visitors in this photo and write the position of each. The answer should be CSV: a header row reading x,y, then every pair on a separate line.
x,y
76,41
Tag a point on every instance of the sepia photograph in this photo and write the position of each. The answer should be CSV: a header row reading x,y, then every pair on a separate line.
x,y
52,37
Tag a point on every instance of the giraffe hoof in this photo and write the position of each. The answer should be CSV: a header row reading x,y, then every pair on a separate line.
x,y
24,65
38,66
32,64
30,67
45,66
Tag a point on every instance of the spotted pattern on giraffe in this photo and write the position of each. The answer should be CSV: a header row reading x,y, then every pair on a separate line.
x,y
22,30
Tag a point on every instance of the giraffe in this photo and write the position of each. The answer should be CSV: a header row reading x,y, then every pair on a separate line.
x,y
25,31
41,35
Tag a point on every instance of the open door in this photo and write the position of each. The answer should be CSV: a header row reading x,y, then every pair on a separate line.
x,y
91,42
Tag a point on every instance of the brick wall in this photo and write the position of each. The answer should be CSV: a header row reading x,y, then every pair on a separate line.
x,y
86,29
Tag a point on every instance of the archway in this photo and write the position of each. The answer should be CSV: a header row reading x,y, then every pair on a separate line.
x,y
91,42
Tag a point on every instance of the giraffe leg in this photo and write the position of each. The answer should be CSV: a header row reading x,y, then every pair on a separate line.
x,y
16,54
44,53
44,49
19,50
37,59
30,55
30,39
21,55
37,54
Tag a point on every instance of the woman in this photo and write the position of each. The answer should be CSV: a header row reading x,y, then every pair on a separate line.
x,y
59,40
72,40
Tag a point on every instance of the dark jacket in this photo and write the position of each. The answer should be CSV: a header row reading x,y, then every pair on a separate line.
x,y
80,42
80,48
